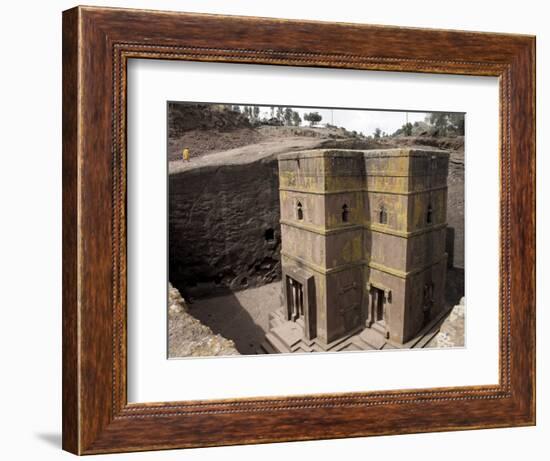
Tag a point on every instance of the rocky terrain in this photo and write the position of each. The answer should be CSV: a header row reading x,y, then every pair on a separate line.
x,y
188,337
451,332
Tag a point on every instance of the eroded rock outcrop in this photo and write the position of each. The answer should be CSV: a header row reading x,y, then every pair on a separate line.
x,y
451,333
188,337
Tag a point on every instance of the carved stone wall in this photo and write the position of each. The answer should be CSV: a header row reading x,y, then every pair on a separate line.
x,y
224,229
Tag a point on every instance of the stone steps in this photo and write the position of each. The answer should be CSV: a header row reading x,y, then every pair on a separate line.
x,y
287,337
275,322
372,337
267,348
276,319
275,343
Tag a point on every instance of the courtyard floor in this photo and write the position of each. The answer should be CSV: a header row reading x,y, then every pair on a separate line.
x,y
242,316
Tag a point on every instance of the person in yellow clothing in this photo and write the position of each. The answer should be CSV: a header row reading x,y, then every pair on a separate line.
x,y
185,154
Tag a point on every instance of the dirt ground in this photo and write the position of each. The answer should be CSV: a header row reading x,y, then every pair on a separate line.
x,y
202,142
245,154
241,316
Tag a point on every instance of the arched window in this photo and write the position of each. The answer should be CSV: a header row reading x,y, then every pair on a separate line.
x,y
345,213
382,215
299,211
429,214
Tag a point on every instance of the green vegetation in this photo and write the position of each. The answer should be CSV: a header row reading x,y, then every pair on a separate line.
x,y
446,123
435,124
313,118
296,119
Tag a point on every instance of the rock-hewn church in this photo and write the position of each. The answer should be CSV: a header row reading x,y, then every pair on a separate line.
x,y
363,249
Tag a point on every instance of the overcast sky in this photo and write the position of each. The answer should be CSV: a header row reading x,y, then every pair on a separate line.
x,y
359,120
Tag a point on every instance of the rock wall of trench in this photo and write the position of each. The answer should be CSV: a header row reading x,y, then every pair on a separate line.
x,y
224,229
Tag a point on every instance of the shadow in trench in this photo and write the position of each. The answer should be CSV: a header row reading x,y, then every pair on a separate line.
x,y
454,286
225,315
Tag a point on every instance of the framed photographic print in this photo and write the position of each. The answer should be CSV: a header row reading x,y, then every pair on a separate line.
x,y
284,230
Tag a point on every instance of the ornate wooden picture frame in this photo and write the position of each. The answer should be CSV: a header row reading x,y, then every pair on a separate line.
x,y
97,44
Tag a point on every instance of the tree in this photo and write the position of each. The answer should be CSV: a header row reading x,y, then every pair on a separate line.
x,y
457,123
405,130
296,119
287,115
280,114
377,133
446,123
256,113
440,121
313,117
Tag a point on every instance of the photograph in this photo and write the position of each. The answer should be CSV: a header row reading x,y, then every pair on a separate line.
x,y
297,229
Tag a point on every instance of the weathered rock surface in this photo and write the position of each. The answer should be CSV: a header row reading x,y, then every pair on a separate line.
x,y
188,337
176,303
224,226
451,333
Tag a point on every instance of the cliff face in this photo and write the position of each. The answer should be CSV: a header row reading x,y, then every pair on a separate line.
x,y
224,227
